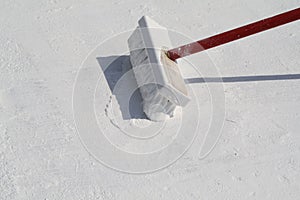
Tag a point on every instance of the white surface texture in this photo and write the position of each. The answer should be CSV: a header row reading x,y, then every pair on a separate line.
x,y
42,46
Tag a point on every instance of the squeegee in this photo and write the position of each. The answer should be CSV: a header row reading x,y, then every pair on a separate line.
x,y
155,68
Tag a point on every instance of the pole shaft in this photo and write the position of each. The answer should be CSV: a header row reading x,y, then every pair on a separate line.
x,y
235,34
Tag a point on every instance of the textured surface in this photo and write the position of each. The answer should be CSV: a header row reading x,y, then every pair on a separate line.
x,y
42,44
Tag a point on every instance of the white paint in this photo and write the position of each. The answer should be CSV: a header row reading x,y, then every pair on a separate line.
x,y
41,157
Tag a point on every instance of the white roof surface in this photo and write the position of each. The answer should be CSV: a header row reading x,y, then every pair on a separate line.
x,y
42,46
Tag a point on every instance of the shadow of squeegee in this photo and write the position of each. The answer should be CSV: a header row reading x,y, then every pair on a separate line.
x,y
243,78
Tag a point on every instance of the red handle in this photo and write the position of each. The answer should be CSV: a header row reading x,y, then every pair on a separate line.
x,y
235,34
